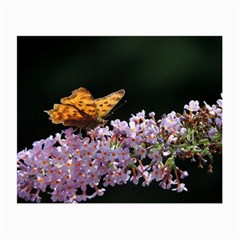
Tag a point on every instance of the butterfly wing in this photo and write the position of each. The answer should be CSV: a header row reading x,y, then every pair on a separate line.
x,y
68,115
83,100
105,104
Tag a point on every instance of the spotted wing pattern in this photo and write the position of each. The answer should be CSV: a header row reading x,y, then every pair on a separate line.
x,y
67,115
105,104
83,100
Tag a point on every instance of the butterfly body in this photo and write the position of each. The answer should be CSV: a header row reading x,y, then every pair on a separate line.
x,y
82,110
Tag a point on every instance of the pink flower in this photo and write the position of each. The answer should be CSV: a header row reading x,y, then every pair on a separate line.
x,y
193,106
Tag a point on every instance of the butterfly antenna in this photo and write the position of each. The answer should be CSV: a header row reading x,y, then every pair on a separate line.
x,y
119,106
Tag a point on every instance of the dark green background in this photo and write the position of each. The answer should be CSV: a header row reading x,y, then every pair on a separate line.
x,y
159,74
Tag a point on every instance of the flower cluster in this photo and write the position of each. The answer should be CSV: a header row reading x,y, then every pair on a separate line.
x,y
72,168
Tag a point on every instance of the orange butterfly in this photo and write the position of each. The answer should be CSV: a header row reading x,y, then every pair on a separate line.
x,y
82,110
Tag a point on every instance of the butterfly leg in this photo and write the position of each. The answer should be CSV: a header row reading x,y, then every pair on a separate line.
x,y
80,132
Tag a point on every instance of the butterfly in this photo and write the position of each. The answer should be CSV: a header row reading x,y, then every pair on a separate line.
x,y
82,110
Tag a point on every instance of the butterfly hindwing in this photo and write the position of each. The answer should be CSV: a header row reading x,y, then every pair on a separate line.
x,y
61,113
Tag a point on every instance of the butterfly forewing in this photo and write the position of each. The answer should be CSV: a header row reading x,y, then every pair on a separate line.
x,y
105,104
82,99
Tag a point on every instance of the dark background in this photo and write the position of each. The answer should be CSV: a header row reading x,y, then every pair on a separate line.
x,y
159,74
